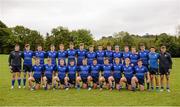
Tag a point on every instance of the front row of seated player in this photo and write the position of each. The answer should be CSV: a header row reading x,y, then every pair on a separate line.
x,y
107,75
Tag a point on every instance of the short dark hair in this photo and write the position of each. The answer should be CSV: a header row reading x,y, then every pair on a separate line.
x,y
81,44
27,45
16,45
142,44
163,47
139,60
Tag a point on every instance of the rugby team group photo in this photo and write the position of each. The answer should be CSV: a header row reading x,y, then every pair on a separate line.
x,y
104,68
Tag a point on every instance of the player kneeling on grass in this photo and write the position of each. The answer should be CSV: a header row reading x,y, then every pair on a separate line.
x,y
36,75
140,73
84,76
106,75
128,74
61,76
48,74
117,70
95,70
72,69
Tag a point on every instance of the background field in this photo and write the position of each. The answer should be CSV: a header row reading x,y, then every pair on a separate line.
x,y
24,97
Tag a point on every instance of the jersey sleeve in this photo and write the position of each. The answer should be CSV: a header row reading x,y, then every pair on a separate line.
x,y
170,61
22,54
10,58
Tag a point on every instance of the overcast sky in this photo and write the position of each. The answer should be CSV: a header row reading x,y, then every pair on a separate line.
x,y
102,17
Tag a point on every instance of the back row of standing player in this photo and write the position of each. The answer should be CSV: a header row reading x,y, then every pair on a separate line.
x,y
148,59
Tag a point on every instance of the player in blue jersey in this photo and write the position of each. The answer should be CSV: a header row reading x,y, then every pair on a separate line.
x,y
27,65
100,55
144,56
126,53
117,53
84,76
52,54
37,71
153,67
90,55
81,54
95,70
72,70
61,76
49,71
71,53
106,75
117,72
140,73
134,56
128,72
62,54
40,54
109,54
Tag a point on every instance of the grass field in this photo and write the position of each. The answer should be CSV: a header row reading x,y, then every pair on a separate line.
x,y
25,97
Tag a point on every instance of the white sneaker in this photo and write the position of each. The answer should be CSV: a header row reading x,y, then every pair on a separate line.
x,y
168,90
32,89
67,89
24,86
19,86
161,90
89,89
12,87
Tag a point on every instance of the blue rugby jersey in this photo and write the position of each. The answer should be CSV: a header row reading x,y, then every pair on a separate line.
x,y
71,55
62,70
100,56
117,70
81,54
84,71
53,56
38,70
48,70
95,69
134,58
72,71
153,60
27,56
107,70
41,55
140,71
109,54
144,56
128,71
117,55
90,56
61,55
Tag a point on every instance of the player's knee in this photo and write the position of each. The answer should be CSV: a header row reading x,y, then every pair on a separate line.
x,y
89,78
141,88
78,79
101,79
66,79
110,78
123,79
44,78
30,78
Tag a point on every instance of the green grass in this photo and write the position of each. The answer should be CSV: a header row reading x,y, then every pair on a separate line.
x,y
25,97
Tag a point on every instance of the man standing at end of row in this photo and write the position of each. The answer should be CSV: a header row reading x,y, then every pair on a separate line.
x,y
15,65
165,66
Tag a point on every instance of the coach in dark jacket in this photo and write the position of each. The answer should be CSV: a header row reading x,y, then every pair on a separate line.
x,y
165,66
15,65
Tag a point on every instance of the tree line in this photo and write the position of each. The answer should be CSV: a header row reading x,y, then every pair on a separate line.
x,y
9,36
